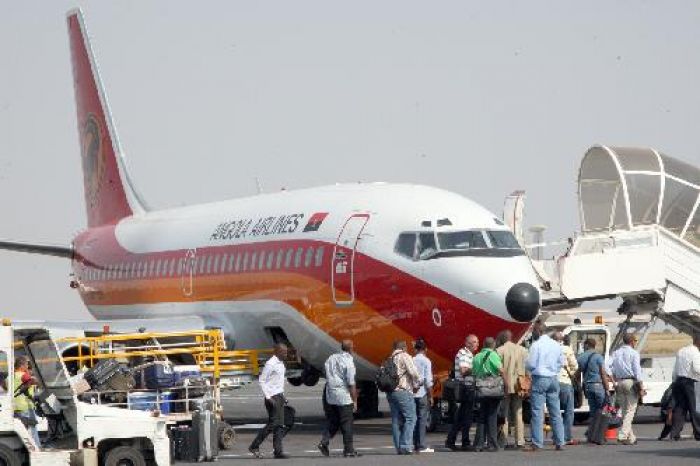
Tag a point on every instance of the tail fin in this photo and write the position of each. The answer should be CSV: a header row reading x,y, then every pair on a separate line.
x,y
109,195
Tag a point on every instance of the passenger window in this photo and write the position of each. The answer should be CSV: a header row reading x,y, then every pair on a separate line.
x,y
209,261
297,257
406,245
238,262
245,261
270,259
280,256
253,260
231,261
216,263
171,267
309,257
319,257
151,268
288,258
261,262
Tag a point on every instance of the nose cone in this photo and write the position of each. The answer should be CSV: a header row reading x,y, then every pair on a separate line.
x,y
523,302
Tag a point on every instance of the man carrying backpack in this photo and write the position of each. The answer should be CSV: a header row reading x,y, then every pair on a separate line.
x,y
400,371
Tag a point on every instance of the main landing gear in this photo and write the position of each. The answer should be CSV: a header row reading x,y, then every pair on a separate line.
x,y
367,400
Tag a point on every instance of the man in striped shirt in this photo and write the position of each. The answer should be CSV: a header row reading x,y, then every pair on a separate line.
x,y
463,416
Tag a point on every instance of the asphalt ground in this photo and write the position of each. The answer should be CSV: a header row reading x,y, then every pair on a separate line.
x,y
244,409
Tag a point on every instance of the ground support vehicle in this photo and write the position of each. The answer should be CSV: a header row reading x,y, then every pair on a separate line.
x,y
81,432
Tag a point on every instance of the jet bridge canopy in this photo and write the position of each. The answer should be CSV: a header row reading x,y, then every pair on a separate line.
x,y
622,188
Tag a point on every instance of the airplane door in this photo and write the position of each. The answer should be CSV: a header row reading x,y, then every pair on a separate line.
x,y
187,272
343,265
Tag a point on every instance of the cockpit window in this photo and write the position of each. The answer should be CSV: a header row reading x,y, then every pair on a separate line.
x,y
503,239
461,240
426,245
406,245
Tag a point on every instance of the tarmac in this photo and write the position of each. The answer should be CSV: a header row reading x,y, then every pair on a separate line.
x,y
244,409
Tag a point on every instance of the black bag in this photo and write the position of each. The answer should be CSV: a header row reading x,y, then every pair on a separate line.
x,y
289,417
452,390
101,373
387,377
491,386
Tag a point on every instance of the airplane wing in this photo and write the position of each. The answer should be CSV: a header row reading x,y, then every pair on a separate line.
x,y
45,249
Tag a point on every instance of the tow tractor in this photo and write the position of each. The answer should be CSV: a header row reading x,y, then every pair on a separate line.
x,y
83,433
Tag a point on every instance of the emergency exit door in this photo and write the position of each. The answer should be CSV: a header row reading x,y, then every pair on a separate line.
x,y
187,265
343,265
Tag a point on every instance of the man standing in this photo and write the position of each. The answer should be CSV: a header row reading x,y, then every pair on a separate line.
x,y
423,397
686,375
464,414
566,387
24,385
340,399
627,373
403,407
272,385
595,382
544,363
513,357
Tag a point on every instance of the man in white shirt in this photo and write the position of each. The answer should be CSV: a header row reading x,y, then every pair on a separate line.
x,y
272,385
686,374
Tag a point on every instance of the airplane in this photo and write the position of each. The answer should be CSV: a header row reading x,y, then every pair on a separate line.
x,y
372,262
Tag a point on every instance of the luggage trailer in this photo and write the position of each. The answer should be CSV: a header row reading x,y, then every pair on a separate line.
x,y
176,376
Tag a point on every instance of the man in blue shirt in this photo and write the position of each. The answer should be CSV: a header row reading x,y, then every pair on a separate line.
x,y
627,372
423,397
544,363
591,365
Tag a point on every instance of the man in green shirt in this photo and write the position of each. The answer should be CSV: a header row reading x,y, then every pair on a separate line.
x,y
488,364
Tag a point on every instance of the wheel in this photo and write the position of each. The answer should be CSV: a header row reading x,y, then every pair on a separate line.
x,y
9,457
434,415
295,381
124,456
310,378
227,436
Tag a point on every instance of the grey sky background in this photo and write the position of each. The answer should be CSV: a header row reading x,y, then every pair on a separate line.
x,y
480,98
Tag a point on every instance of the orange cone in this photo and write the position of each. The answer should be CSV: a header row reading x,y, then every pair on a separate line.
x,y
611,433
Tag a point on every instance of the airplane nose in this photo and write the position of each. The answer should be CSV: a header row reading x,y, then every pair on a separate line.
x,y
523,302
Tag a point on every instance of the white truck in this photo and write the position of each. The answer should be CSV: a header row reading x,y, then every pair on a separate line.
x,y
81,433
656,369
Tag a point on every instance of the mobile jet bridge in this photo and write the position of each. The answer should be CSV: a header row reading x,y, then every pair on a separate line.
x,y
639,240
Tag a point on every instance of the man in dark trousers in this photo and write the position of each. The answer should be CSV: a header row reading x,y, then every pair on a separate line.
x,y
686,375
339,399
272,385
464,414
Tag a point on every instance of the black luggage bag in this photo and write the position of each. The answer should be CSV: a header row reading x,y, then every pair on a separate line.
x,y
101,373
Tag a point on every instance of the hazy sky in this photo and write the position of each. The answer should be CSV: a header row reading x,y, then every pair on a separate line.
x,y
480,98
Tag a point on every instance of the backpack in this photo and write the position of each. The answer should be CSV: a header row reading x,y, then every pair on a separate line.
x,y
387,377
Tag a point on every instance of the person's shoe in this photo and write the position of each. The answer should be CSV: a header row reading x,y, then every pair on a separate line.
x,y
255,452
559,448
405,452
281,456
451,446
491,449
425,450
324,449
573,441
352,454
628,442
531,448
468,448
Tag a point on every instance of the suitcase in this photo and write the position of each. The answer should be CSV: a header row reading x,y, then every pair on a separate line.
x,y
185,444
158,376
101,373
598,426
205,427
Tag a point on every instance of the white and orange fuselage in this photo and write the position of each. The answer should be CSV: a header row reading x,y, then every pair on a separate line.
x,y
321,264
